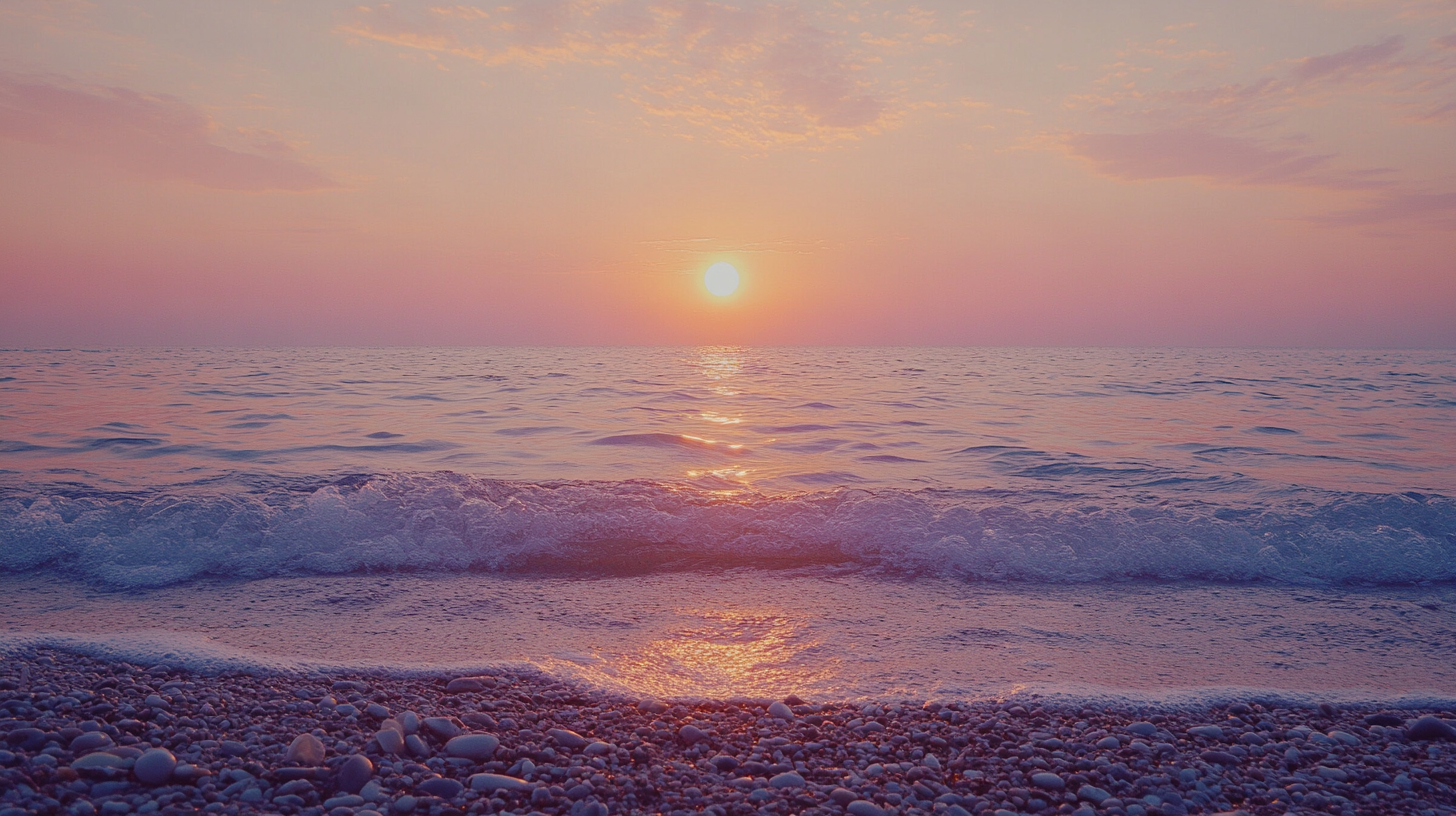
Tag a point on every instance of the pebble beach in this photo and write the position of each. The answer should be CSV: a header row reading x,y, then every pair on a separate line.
x,y
83,736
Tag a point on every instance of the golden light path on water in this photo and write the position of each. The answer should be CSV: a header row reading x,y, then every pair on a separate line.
x,y
753,653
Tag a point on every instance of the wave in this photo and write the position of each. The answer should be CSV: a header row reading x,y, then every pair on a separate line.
x,y
669,441
450,522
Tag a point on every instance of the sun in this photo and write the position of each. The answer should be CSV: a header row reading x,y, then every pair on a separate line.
x,y
721,279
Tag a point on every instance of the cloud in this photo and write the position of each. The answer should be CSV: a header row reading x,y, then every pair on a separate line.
x,y
152,135
1351,61
1424,208
762,74
1194,153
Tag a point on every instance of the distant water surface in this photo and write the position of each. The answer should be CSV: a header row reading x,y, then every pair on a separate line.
x,y
143,470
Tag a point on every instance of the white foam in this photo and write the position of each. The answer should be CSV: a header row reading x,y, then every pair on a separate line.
x,y
451,522
181,652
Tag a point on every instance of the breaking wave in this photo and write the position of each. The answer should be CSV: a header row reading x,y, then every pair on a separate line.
x,y
447,521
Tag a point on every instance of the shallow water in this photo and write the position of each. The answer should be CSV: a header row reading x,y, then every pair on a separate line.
x,y
849,522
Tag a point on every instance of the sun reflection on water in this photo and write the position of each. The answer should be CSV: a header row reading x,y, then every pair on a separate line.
x,y
721,653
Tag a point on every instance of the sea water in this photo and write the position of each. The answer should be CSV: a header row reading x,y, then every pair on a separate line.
x,y
838,522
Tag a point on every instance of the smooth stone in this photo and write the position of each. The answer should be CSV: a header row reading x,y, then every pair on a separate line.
x,y
1219,757
864,807
155,766
492,782
306,749
1142,729
472,746
1325,772
724,763
440,786
1387,720
296,786
442,727
567,738
376,711
98,761
599,749
416,745
27,739
355,773
1431,728
576,793
1206,731
843,796
691,734
1093,794
789,779
1109,743
405,804
233,748
651,706
1048,781
478,719
390,740
409,722
781,711
91,741
348,801
463,684
1345,737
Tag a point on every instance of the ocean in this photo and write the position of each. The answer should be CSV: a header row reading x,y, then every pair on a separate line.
x,y
1163,525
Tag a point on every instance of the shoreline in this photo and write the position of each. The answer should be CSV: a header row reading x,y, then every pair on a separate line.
x,y
80,734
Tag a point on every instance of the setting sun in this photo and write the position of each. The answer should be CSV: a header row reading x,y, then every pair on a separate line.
x,y
721,279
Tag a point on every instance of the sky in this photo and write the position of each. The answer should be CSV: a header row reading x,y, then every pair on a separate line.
x,y
562,172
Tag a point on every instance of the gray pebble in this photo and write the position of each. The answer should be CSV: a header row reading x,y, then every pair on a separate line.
x,y
355,773
155,767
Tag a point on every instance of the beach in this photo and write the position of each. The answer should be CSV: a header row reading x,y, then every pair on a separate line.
x,y
90,736
727,580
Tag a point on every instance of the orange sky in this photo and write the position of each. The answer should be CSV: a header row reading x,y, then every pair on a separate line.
x,y
1276,172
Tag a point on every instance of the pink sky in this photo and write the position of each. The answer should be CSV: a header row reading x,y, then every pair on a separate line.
x,y
1269,172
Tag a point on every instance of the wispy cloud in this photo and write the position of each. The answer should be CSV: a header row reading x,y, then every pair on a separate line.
x,y
1438,209
1237,133
1194,153
761,74
152,135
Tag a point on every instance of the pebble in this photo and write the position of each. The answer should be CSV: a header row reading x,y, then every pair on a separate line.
x,y
864,807
390,741
1048,781
472,746
355,773
91,741
442,727
493,782
440,786
464,684
691,735
1431,728
306,749
567,738
780,711
232,736
155,766
788,779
